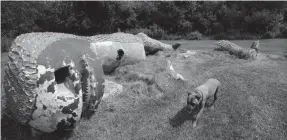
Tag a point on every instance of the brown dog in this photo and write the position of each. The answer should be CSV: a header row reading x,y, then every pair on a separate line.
x,y
198,97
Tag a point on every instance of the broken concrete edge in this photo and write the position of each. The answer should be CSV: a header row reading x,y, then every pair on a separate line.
x,y
111,89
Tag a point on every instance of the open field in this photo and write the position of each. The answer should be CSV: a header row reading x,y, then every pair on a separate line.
x,y
266,46
251,104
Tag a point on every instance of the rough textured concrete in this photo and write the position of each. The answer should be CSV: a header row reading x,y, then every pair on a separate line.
x,y
43,87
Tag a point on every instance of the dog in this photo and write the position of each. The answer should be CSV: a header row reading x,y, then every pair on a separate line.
x,y
197,98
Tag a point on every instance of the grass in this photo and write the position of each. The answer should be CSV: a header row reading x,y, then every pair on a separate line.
x,y
266,45
250,105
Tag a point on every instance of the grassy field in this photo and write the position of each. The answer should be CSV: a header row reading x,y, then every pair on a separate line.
x,y
266,46
251,104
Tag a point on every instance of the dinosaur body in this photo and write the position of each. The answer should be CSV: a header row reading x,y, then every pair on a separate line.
x,y
52,79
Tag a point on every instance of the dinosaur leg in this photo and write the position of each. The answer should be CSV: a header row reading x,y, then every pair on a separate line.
x,y
91,86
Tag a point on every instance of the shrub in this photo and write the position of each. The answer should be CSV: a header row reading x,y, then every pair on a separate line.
x,y
235,36
185,26
171,37
153,31
283,31
264,22
270,34
156,32
194,36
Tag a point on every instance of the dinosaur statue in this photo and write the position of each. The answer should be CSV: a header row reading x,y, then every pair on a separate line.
x,y
233,49
53,79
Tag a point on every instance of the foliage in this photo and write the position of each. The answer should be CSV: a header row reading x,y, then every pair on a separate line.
x,y
263,22
283,31
152,31
235,35
5,44
194,36
159,19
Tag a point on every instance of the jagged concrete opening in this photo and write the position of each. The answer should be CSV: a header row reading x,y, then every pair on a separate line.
x,y
120,54
61,74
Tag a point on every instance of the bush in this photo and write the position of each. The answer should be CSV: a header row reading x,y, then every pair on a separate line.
x,y
6,44
264,22
283,31
270,34
235,35
194,36
172,37
154,32
160,18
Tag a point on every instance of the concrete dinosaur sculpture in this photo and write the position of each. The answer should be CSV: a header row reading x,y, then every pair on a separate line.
x,y
135,47
51,79
236,50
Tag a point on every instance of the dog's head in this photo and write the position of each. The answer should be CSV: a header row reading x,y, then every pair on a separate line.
x,y
193,100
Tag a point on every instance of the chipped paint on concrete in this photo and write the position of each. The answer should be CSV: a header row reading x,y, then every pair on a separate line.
x,y
107,49
93,82
48,76
42,70
61,108
57,105
64,63
38,46
51,87
93,48
72,64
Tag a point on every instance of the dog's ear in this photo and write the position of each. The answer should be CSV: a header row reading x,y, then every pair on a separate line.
x,y
198,98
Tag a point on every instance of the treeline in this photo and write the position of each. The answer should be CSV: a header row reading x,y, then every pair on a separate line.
x,y
158,19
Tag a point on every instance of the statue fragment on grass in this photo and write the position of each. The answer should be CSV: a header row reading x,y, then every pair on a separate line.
x,y
52,79
233,49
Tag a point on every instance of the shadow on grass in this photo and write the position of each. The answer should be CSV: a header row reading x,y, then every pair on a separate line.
x,y
182,116
11,130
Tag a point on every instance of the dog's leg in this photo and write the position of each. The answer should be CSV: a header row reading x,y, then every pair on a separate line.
x,y
215,98
198,115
